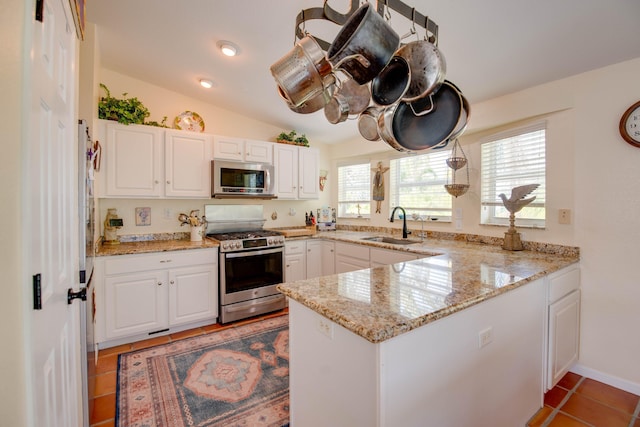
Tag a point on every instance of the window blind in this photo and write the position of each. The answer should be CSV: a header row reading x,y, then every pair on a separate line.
x,y
417,184
509,160
354,190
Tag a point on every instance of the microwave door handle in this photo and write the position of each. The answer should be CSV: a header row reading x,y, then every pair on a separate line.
x,y
267,174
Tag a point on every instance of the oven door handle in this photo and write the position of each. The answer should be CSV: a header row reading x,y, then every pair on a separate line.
x,y
253,253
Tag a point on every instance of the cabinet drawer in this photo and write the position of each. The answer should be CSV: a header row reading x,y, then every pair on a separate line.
x,y
385,257
121,264
353,251
563,282
295,247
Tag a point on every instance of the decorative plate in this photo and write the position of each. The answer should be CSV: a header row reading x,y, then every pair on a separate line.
x,y
189,120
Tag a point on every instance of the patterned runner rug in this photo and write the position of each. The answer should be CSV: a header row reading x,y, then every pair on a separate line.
x,y
234,377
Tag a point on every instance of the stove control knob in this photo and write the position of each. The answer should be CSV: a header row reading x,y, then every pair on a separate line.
x,y
238,245
225,246
270,241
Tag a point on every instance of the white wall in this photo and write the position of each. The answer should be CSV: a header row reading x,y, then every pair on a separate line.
x,y
592,171
13,398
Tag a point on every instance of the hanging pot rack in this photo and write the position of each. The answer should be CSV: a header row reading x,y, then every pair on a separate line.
x,y
327,13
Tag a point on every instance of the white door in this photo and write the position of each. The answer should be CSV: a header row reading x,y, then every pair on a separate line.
x,y
285,160
51,233
187,164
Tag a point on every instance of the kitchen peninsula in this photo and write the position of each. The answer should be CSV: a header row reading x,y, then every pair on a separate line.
x,y
457,338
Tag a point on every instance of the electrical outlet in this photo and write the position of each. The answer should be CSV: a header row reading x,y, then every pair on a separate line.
x,y
167,213
485,337
326,328
564,216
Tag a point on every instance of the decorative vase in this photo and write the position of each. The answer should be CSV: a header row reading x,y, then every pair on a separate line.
x,y
196,233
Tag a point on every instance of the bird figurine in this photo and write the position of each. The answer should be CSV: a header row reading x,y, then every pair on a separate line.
x,y
513,204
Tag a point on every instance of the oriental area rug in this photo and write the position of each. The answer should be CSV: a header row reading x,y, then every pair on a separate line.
x,y
237,376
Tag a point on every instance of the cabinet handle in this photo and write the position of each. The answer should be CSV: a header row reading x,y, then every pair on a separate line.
x,y
164,260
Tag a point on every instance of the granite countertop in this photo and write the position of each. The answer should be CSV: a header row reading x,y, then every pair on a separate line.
x,y
146,246
383,302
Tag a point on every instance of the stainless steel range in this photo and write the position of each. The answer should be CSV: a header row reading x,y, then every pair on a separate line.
x,y
251,261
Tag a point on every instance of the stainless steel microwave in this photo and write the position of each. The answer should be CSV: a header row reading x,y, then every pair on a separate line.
x,y
241,180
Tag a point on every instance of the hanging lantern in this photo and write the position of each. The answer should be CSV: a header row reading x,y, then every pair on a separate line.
x,y
456,162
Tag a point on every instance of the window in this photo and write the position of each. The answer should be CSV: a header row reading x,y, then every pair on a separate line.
x,y
509,160
354,191
417,184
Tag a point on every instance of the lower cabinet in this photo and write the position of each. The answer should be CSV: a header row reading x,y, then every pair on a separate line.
x,y
149,294
351,257
563,337
328,257
295,260
380,257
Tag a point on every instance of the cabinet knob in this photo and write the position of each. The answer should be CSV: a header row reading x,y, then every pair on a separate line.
x,y
156,181
168,182
159,283
172,282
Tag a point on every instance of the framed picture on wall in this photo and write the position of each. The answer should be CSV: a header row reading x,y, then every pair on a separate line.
x,y
78,10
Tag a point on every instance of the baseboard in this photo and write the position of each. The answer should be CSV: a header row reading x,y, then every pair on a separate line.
x,y
611,380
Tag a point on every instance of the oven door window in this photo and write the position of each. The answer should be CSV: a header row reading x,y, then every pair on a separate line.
x,y
252,270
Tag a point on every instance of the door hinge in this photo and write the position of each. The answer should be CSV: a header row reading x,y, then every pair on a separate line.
x,y
37,292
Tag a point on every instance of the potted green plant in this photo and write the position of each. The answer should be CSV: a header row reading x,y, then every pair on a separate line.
x,y
292,138
126,110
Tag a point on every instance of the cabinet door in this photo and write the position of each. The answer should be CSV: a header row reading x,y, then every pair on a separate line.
x,y
381,257
328,258
135,303
193,294
187,164
286,169
564,336
133,156
228,148
295,268
258,151
308,173
314,258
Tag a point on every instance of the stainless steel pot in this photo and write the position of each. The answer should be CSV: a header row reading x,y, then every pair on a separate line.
x,y
405,131
301,73
392,82
428,68
337,109
314,104
366,34
368,123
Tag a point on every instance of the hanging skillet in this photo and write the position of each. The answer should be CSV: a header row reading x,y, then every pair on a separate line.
x,y
404,130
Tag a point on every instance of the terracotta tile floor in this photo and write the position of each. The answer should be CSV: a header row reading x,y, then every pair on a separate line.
x,y
575,402
102,377
582,402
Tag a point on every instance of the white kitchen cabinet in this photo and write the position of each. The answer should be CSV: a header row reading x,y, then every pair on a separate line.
x,y
149,162
295,260
563,338
328,257
379,257
314,258
242,150
297,171
187,164
147,294
133,158
351,257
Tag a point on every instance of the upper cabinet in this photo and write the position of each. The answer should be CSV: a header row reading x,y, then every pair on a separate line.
x,y
187,164
242,150
297,171
146,161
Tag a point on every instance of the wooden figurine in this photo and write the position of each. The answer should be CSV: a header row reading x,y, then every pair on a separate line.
x,y
378,185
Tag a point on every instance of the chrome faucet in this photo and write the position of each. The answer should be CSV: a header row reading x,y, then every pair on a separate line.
x,y
405,233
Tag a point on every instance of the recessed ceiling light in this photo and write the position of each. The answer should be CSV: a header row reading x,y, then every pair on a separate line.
x,y
206,83
228,48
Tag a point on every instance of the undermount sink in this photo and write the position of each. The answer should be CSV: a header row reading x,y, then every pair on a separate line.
x,y
391,240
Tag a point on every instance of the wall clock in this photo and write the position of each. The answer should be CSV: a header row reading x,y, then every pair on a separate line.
x,y
630,125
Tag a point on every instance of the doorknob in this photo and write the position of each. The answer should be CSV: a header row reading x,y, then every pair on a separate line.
x,y
82,294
